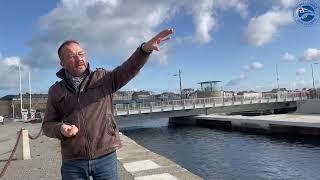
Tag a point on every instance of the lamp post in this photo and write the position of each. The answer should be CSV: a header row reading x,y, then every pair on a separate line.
x,y
277,73
179,82
312,76
277,76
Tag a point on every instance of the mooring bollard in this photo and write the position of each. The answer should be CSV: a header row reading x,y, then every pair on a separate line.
x,y
23,151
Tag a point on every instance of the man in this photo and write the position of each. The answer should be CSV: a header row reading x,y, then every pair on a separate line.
x,y
80,110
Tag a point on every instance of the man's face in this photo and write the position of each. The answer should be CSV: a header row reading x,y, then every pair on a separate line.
x,y
73,59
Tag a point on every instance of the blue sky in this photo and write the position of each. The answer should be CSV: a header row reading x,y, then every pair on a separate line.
x,y
238,42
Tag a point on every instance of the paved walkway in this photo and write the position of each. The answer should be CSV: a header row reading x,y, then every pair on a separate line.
x,y
45,154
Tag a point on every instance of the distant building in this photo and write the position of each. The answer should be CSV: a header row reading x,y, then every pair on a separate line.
x,y
250,94
229,94
167,96
11,103
188,93
143,96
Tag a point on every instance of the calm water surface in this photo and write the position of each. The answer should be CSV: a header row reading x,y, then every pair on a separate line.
x,y
215,154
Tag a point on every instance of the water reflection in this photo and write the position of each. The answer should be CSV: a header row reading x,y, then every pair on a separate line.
x,y
216,154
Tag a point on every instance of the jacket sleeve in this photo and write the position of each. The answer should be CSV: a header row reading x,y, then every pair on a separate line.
x,y
52,123
121,75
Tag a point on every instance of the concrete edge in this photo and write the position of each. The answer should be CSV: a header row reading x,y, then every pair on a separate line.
x,y
138,163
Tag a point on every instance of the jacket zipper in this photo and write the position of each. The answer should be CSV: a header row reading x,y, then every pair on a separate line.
x,y
87,147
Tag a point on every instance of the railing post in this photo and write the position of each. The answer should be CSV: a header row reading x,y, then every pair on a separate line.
x,y
23,151
194,103
250,101
183,104
172,105
115,110
214,103
204,103
242,99
161,106
223,103
151,107
139,108
128,110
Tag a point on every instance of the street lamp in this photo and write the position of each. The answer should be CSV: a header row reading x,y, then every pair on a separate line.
x,y
312,76
277,72
179,82
315,90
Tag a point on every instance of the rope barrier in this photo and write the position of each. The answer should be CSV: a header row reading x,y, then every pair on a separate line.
x,y
3,171
35,137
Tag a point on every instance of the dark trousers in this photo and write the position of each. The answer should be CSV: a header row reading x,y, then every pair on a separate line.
x,y
102,168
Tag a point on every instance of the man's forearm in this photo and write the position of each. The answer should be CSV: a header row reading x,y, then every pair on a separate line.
x,y
130,68
52,129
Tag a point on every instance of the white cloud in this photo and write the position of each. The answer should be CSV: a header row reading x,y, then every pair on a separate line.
x,y
257,65
311,54
300,71
288,57
236,81
108,27
204,21
265,28
253,66
285,3
9,73
239,6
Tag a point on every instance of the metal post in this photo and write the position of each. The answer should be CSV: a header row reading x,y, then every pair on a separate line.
x,y
277,76
151,107
139,108
161,106
115,110
312,77
20,92
128,111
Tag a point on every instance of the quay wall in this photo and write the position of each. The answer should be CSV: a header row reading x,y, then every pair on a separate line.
x,y
287,124
138,163
311,106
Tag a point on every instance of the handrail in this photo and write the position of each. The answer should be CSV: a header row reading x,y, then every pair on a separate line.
x,y
149,107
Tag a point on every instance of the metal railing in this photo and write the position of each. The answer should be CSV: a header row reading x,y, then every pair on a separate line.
x,y
160,106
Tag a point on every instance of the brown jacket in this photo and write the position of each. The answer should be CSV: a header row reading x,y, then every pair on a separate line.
x,y
91,110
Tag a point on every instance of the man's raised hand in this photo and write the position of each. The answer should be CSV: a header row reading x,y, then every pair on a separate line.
x,y
154,43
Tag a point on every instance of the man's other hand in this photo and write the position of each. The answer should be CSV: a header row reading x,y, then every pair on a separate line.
x,y
154,43
69,130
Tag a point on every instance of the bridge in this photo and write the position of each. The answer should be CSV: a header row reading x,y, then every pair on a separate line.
x,y
126,113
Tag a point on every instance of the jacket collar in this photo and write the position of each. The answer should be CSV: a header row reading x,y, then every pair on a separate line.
x,y
61,73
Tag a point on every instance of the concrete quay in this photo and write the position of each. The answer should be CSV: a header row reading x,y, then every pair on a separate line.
x,y
300,124
134,161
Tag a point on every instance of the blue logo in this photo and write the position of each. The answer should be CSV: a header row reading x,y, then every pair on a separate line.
x,y
306,12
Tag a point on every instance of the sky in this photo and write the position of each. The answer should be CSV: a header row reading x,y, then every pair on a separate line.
x,y
238,42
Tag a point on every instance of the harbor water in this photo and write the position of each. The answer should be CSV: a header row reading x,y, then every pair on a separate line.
x,y
216,154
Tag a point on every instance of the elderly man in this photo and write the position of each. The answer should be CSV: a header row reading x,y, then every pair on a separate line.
x,y
80,110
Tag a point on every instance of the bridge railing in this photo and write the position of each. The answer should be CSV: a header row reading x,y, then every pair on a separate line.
x,y
159,106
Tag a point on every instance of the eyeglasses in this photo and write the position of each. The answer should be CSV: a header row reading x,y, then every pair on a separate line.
x,y
80,54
